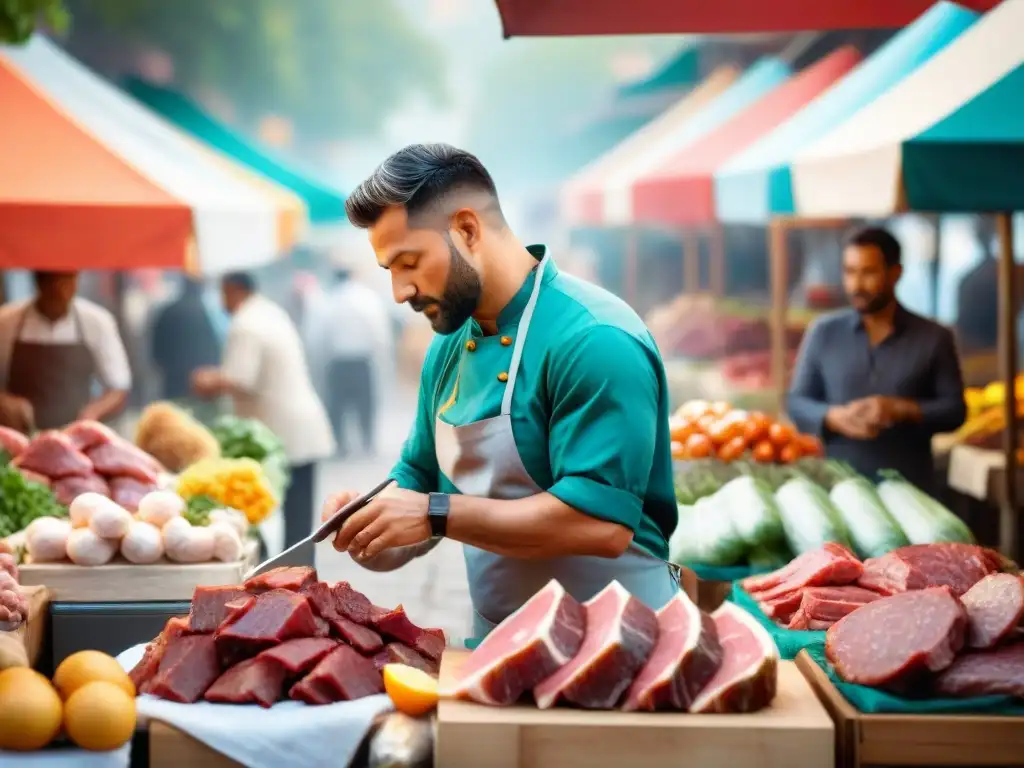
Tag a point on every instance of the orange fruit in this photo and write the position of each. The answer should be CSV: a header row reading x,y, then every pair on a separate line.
x,y
99,716
30,710
85,667
412,691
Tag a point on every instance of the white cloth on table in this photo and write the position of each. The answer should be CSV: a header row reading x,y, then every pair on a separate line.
x,y
289,733
67,757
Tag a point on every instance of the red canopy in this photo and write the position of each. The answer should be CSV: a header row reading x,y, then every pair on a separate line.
x,y
547,18
682,191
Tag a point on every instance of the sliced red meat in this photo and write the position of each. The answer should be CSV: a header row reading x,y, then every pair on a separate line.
x,y
984,673
763,582
210,606
833,603
12,442
323,629
143,672
271,618
376,612
53,455
67,489
253,681
819,625
400,653
290,578
189,667
918,566
685,658
890,640
397,625
620,634
798,621
129,491
995,608
339,601
782,607
527,647
363,639
828,567
747,678
35,477
299,656
88,434
342,675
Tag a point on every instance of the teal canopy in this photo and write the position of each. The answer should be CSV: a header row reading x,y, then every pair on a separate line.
x,y
325,203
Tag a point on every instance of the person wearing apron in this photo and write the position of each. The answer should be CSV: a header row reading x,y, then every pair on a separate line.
x,y
555,419
56,377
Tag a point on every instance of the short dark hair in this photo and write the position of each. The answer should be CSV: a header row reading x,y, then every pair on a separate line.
x,y
243,280
881,239
419,178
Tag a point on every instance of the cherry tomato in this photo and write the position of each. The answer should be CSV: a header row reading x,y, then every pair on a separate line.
x,y
678,450
764,452
681,429
693,410
698,446
732,450
780,435
810,445
789,453
756,427
706,423
720,409
725,430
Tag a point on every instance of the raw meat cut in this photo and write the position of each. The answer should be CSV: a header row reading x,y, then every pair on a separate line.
x,y
685,658
189,666
88,434
253,681
620,634
782,607
339,601
67,489
299,656
400,653
995,607
817,565
35,477
146,669
129,491
747,678
323,629
892,639
290,578
363,639
210,606
833,603
122,459
53,455
984,673
12,442
271,618
397,625
918,566
342,675
527,647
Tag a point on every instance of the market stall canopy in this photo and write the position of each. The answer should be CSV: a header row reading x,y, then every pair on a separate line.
x,y
756,184
551,18
950,137
616,189
89,179
582,197
325,203
681,191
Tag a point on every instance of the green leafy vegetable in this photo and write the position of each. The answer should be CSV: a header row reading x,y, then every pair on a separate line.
x,y
22,501
198,509
252,439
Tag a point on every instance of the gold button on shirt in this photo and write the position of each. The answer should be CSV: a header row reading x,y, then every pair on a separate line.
x,y
506,340
503,377
470,346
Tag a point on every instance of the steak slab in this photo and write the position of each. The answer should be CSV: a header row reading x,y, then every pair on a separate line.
x,y
253,681
984,673
342,675
995,608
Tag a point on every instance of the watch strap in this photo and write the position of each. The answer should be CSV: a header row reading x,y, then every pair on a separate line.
x,y
438,506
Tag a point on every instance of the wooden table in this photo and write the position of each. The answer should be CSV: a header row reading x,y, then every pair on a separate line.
x,y
921,740
794,731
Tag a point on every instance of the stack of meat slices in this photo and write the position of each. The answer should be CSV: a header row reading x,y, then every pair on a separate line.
x,y
614,651
818,588
283,634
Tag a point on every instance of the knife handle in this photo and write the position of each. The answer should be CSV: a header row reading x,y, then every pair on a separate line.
x,y
338,518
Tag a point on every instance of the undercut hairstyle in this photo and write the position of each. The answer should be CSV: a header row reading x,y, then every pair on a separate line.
x,y
881,239
427,180
243,280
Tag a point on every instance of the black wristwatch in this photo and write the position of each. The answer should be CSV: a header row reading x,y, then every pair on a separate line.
x,y
438,505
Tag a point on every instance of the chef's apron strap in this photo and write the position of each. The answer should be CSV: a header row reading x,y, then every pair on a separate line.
x,y
517,350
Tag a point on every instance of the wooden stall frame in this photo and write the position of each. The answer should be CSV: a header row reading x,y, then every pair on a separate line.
x,y
691,239
921,740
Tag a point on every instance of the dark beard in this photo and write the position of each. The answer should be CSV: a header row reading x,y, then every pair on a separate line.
x,y
877,304
461,295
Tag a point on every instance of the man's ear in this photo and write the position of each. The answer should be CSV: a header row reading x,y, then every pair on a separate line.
x,y
467,228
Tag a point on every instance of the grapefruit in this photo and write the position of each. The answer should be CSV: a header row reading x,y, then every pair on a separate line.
x,y
85,667
30,710
99,716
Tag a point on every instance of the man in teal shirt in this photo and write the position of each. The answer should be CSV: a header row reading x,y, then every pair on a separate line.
x,y
541,439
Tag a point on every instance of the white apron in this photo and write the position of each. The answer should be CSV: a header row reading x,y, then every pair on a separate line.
x,y
481,459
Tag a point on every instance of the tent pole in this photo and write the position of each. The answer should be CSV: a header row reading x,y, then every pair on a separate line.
x,y
1008,540
778,266
3,287
716,266
691,262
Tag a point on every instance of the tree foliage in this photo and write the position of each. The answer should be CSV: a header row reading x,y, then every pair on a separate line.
x,y
18,18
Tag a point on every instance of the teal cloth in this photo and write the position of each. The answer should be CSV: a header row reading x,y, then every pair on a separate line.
x,y
472,642
727,572
789,641
875,701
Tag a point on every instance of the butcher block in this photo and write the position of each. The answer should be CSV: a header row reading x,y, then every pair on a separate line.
x,y
121,581
794,730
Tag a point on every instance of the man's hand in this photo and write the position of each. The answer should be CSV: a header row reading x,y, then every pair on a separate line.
x,y
205,381
91,412
16,413
852,420
396,518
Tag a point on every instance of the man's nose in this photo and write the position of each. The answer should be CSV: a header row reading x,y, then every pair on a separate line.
x,y
402,290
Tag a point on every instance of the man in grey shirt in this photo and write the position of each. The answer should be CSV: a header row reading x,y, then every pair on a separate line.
x,y
876,381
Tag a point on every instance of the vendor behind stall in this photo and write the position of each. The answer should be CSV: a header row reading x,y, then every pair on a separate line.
x,y
876,381
54,349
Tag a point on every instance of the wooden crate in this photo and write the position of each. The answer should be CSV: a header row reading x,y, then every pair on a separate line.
x,y
920,740
794,731
171,748
32,631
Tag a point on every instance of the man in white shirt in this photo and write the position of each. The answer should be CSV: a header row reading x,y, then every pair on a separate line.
x,y
53,350
265,373
351,329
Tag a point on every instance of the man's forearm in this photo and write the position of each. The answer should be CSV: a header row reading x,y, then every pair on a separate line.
x,y
539,526
108,404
